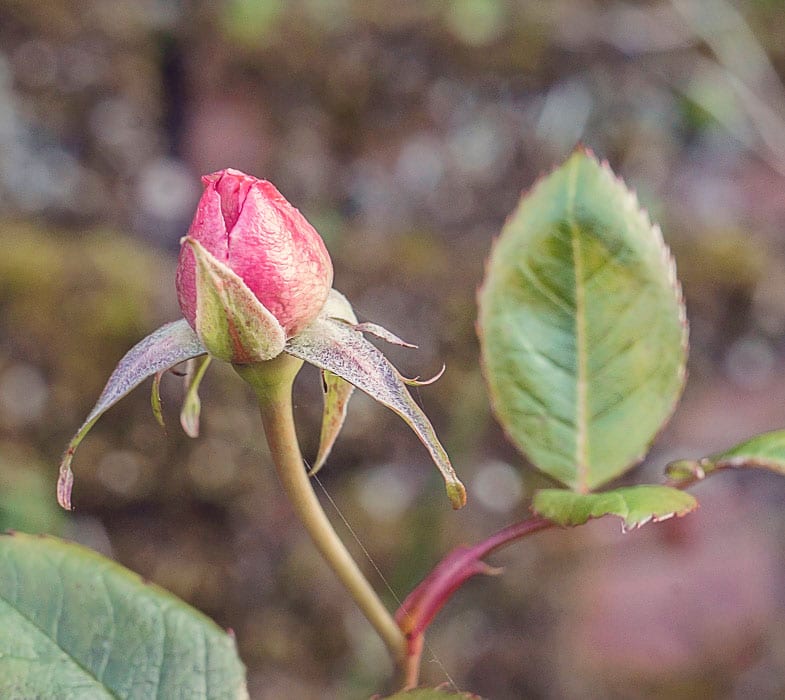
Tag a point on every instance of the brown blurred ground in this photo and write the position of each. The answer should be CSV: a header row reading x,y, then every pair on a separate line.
x,y
406,133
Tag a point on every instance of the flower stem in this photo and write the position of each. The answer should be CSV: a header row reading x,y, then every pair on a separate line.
x,y
272,382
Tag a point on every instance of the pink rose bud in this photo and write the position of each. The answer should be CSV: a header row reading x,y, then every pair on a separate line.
x,y
247,243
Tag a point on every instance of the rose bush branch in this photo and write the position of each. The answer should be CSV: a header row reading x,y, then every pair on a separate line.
x,y
583,337
636,505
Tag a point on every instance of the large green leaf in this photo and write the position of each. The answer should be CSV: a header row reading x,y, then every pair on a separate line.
x,y
765,451
635,505
582,326
74,625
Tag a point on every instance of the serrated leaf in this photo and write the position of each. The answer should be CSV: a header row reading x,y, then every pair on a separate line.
x,y
334,346
766,451
232,323
76,626
582,326
168,346
192,404
635,505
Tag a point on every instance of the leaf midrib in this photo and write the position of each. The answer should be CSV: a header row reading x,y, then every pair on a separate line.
x,y
581,432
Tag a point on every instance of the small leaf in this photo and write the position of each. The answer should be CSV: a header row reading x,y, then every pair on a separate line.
x,y
232,323
334,346
76,625
582,326
192,405
635,505
168,346
337,393
766,451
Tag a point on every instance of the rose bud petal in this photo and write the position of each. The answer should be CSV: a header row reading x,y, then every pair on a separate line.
x,y
245,226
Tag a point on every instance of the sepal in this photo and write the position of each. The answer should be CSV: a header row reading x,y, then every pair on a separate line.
x,y
161,350
230,321
336,347
192,404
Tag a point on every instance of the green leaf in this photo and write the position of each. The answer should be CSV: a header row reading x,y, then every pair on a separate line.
x,y
168,346
582,326
334,346
231,322
74,625
766,451
635,505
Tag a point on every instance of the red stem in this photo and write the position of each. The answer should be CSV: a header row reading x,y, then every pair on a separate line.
x,y
511,533
424,602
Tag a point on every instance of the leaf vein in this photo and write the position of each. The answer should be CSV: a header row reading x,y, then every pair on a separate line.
x,y
87,671
581,437
537,281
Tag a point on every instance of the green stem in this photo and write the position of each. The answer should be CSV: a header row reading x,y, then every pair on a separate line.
x,y
272,382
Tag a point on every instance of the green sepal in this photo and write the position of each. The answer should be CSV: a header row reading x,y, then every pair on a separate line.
x,y
337,391
231,322
335,346
192,404
155,399
161,350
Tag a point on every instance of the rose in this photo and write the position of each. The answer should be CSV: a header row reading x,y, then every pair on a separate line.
x,y
247,252
254,284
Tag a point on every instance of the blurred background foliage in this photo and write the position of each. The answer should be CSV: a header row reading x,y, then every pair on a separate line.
x,y
406,132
